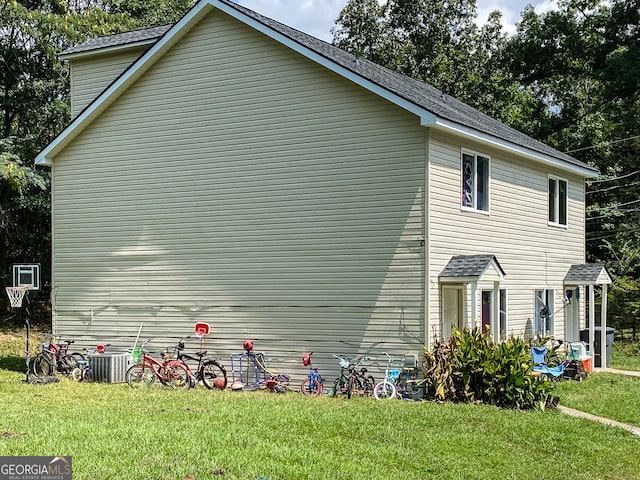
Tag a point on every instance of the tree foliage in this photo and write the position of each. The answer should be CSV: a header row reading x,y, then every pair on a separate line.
x,y
434,41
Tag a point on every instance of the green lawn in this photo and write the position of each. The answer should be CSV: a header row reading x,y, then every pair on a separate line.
x,y
604,394
114,432
625,355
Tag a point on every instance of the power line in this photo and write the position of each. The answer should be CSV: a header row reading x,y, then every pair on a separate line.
x,y
612,142
613,178
614,187
613,207
622,212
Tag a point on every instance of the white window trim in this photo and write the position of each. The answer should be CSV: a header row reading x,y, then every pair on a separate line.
x,y
556,223
475,181
506,315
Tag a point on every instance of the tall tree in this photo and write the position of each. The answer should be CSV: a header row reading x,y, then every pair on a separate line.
x,y
580,67
436,41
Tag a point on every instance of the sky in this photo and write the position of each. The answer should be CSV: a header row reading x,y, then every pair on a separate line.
x,y
316,17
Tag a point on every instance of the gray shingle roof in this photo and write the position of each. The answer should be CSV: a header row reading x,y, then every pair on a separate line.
x,y
150,35
586,274
419,93
469,266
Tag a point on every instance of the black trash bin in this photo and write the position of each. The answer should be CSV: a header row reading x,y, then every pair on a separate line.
x,y
584,337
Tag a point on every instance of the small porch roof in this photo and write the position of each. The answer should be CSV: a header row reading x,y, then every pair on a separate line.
x,y
470,268
587,274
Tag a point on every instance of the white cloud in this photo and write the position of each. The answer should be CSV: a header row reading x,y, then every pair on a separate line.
x,y
315,17
511,10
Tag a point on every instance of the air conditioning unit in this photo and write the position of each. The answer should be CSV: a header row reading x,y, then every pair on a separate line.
x,y
109,367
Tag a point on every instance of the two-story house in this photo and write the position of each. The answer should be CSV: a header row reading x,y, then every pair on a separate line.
x,y
233,170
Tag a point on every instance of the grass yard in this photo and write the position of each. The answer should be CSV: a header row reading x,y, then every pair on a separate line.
x,y
115,432
604,394
625,355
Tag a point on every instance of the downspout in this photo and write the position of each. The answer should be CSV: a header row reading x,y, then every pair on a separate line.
x,y
426,241
54,288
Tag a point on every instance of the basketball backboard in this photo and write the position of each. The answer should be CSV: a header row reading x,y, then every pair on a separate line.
x,y
27,274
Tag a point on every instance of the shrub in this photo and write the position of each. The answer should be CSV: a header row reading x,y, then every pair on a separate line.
x,y
469,367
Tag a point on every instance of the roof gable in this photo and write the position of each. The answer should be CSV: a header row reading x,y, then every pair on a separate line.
x,y
434,108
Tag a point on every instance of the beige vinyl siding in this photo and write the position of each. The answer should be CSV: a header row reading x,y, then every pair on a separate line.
x,y
90,75
533,254
240,184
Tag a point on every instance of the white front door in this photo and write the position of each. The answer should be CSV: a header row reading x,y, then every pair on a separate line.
x,y
572,315
452,310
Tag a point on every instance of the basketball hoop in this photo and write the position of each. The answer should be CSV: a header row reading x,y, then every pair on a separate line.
x,y
201,329
16,294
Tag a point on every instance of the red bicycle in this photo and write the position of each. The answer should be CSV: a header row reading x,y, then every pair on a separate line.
x,y
147,370
55,358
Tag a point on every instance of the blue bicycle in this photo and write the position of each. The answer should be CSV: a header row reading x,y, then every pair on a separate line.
x,y
313,384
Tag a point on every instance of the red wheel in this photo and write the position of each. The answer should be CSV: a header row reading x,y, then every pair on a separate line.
x,y
311,387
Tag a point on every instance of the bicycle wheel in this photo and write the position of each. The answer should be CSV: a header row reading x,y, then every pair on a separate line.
x,y
351,386
42,365
214,375
177,376
78,374
311,387
138,375
335,389
368,385
384,391
70,362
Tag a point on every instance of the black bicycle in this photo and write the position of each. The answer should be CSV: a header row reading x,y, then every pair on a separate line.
x,y
352,379
209,372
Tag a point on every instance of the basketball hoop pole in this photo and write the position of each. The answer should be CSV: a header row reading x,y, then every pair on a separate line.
x,y
16,296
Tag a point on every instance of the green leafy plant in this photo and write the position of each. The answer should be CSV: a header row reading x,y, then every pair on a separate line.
x,y
469,367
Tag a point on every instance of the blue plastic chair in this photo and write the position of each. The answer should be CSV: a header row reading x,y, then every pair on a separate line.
x,y
539,356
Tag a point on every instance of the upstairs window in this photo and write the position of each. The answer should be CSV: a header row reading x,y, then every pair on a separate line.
x,y
558,196
475,182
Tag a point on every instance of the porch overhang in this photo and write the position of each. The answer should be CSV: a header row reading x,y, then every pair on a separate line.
x,y
587,274
470,269
592,275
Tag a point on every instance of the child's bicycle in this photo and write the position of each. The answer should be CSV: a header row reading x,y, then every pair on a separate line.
x,y
55,358
352,380
386,389
82,373
399,382
147,370
313,384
